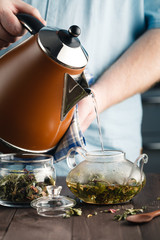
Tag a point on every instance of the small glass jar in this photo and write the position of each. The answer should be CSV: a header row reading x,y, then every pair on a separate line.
x,y
24,177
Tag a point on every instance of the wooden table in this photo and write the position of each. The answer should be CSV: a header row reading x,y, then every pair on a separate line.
x,y
26,224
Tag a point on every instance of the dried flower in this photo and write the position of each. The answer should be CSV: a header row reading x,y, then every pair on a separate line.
x,y
111,210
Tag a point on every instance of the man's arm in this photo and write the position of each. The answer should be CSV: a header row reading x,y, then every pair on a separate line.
x,y
134,72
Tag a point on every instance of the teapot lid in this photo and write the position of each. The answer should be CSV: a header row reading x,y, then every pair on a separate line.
x,y
63,46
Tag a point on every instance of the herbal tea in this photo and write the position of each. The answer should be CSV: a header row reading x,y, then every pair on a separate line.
x,y
101,192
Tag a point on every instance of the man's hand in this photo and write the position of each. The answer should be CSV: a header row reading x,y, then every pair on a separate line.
x,y
86,112
10,27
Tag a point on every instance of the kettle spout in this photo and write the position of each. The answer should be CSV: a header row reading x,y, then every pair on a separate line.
x,y
75,89
88,90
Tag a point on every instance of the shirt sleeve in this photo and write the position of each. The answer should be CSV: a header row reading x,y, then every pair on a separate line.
x,y
152,13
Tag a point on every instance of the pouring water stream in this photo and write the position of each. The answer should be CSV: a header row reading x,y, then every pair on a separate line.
x,y
143,157
98,120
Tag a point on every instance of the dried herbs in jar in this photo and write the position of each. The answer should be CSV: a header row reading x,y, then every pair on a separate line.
x,y
22,186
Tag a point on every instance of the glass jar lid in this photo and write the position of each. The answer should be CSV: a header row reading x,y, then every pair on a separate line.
x,y
53,205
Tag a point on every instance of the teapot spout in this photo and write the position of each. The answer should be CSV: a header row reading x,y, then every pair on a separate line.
x,y
75,89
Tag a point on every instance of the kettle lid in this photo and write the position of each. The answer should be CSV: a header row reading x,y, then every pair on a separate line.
x,y
63,46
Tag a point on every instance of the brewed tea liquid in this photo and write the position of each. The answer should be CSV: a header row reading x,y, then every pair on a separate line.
x,y
98,120
101,192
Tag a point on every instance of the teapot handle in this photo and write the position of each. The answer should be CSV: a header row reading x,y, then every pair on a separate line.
x,y
143,158
32,24
71,162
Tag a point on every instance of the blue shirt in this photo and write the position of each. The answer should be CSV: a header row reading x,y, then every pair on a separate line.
x,y
108,28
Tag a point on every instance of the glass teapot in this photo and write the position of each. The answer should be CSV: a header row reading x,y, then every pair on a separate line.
x,y
105,177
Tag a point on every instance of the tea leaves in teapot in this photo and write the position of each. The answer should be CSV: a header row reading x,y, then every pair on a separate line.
x,y
97,191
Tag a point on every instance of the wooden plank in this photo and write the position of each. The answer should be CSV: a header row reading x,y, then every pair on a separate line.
x,y
26,224
6,215
103,225
148,198
151,230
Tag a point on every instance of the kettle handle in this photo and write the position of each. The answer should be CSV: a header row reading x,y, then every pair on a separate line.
x,y
32,24
71,162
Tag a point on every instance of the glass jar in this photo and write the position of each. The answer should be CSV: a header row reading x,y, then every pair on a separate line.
x,y
105,177
25,177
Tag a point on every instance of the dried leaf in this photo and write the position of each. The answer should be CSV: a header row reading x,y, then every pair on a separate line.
x,y
127,212
73,212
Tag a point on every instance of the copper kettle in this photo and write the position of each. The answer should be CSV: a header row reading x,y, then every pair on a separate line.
x,y
41,80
